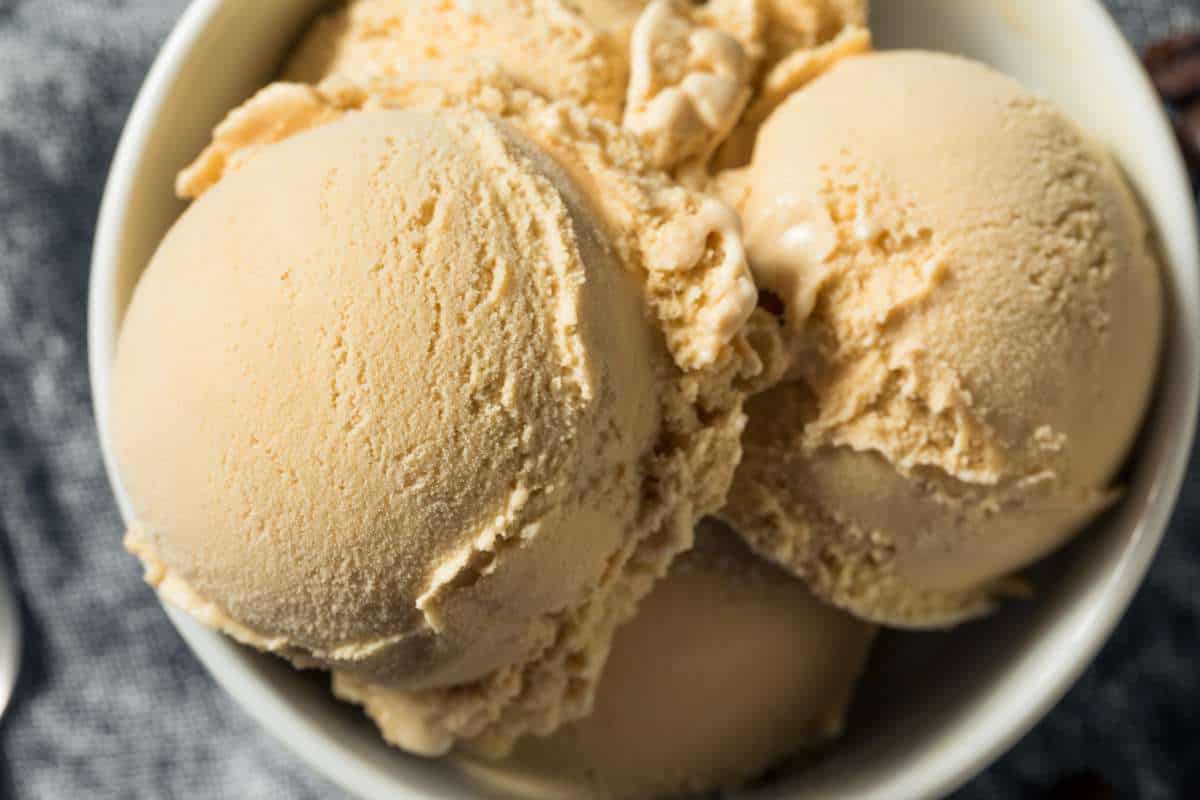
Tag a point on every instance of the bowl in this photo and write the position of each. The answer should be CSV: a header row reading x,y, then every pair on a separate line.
x,y
935,708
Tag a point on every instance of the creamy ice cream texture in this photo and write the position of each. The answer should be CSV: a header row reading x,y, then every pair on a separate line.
x,y
433,381
437,49
581,50
421,418
729,666
974,311
677,75
694,68
688,84
392,399
547,46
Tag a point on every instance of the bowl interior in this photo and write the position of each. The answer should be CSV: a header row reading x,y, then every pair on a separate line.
x,y
934,708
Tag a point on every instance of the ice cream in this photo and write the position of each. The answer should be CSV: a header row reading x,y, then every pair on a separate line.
x,y
423,396
795,26
693,68
679,73
431,384
613,15
546,46
729,666
974,311
789,75
688,83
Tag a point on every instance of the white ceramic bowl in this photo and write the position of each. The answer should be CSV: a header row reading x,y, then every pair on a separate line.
x,y
935,709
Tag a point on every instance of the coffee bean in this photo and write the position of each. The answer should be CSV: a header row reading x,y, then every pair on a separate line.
x,y
1187,130
1174,66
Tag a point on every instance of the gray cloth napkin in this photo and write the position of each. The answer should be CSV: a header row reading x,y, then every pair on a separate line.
x,y
112,704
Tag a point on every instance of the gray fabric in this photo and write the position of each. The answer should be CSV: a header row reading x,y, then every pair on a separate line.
x,y
112,704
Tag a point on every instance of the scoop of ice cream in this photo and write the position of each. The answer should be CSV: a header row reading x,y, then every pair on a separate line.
x,y
975,316
729,666
546,45
450,426
364,375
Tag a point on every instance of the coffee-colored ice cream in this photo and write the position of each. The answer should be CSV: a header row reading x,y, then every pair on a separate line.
x,y
433,381
729,666
547,46
975,312
394,399
694,69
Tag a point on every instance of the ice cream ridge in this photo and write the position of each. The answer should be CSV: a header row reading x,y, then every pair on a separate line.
x,y
487,311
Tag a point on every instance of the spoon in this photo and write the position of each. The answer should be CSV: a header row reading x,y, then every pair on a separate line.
x,y
10,640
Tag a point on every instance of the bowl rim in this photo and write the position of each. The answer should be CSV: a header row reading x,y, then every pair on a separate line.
x,y
999,725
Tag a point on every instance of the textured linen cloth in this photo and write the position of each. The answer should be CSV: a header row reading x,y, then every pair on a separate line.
x,y
111,703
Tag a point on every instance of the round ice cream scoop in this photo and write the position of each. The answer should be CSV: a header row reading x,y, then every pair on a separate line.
x,y
730,665
975,312
384,401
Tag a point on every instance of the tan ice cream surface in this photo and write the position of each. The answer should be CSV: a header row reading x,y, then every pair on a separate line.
x,y
975,315
613,15
451,403
729,666
769,29
694,68
795,25
547,46
679,74
398,361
